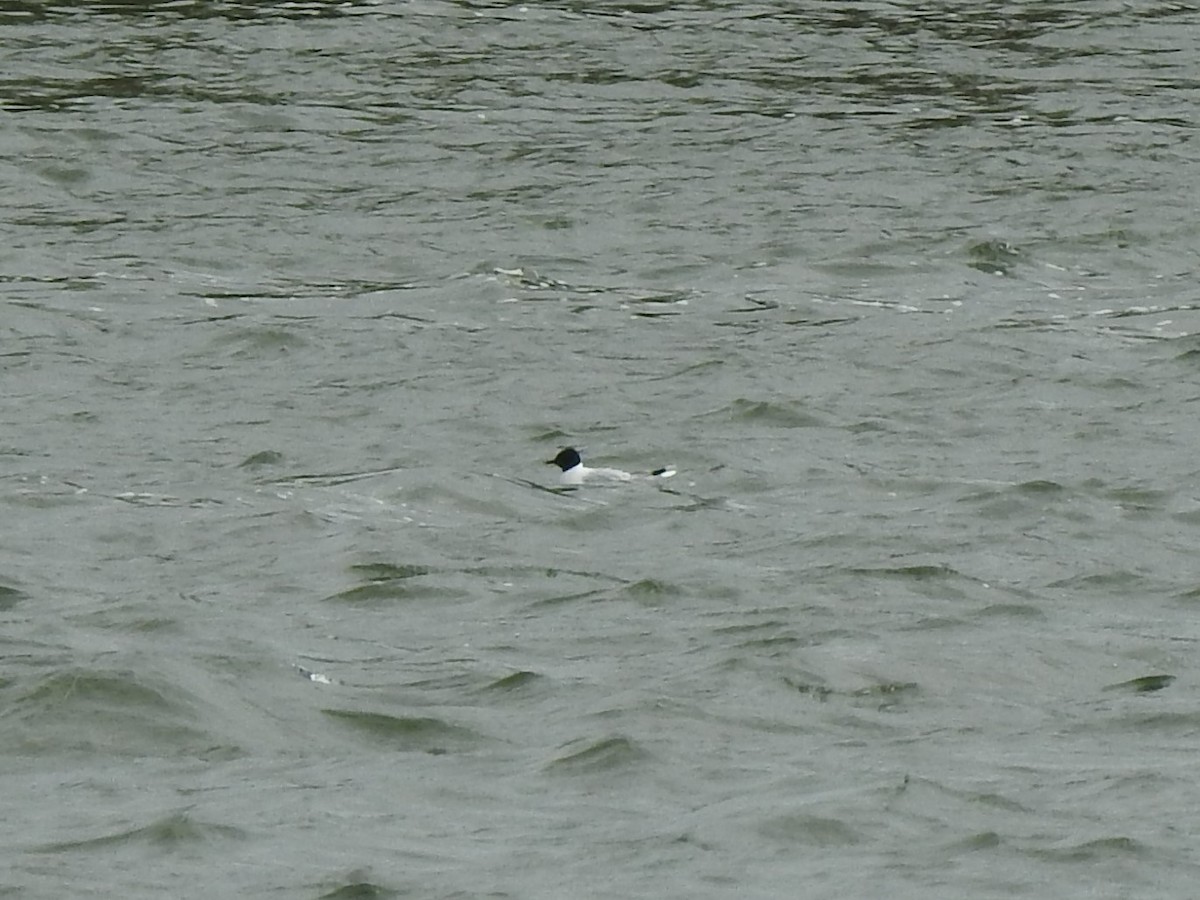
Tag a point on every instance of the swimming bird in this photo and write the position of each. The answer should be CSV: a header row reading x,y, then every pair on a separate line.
x,y
574,472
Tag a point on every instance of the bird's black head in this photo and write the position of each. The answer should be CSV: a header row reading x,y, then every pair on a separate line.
x,y
567,458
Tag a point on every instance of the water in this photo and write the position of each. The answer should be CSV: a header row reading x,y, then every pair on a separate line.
x,y
297,297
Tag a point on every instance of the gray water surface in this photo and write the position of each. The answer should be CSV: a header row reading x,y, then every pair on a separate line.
x,y
298,297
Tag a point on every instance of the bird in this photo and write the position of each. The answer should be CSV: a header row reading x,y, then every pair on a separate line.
x,y
574,472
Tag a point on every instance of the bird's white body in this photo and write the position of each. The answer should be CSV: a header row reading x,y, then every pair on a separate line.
x,y
582,474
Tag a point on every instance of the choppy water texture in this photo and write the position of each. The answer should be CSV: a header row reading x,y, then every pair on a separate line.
x,y
296,299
